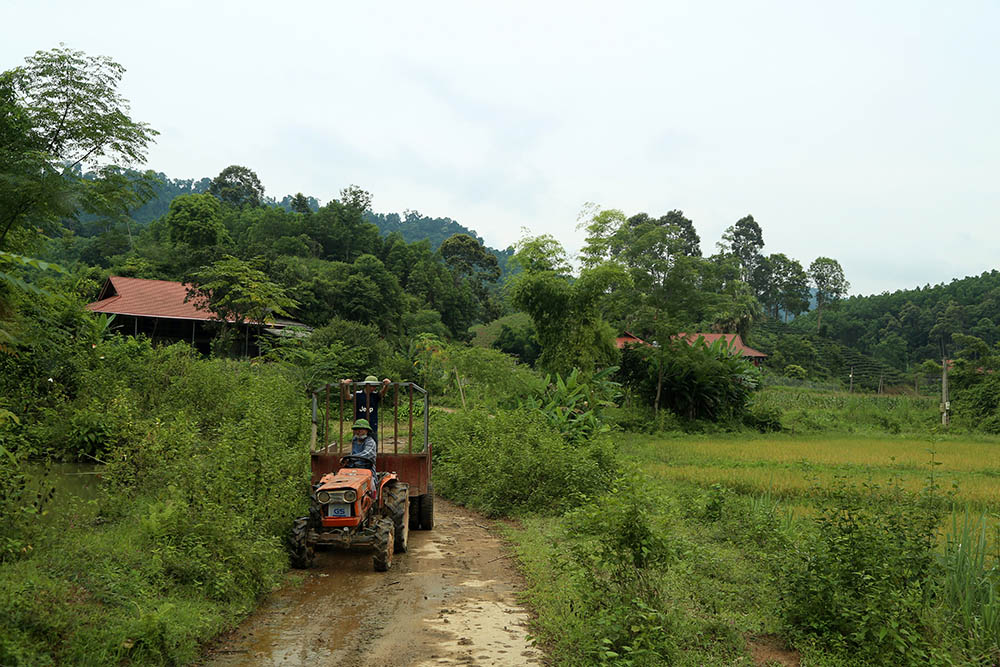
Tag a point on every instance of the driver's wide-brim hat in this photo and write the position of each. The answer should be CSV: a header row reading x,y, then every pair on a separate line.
x,y
371,379
362,423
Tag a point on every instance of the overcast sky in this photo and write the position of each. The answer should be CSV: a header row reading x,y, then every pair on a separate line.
x,y
863,131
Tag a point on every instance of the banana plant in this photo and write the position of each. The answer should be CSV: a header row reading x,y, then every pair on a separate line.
x,y
573,405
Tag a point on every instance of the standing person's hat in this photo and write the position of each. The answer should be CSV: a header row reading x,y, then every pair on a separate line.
x,y
361,423
371,379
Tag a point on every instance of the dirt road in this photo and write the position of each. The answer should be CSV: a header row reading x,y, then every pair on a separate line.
x,y
450,600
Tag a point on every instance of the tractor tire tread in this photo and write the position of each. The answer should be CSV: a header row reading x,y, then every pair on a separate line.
x,y
303,555
383,545
398,509
427,508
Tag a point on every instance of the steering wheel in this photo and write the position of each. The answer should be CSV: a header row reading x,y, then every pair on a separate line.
x,y
349,462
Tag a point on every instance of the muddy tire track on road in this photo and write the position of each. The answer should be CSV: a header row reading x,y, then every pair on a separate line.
x,y
450,600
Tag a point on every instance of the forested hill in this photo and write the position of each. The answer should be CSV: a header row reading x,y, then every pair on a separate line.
x,y
907,327
416,227
412,226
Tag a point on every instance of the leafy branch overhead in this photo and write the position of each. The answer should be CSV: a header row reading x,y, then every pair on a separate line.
x,y
61,114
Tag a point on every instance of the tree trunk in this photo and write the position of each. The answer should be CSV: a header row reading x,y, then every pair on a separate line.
x,y
659,389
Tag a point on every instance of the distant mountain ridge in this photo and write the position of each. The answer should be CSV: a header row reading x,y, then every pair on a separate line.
x,y
412,226
416,227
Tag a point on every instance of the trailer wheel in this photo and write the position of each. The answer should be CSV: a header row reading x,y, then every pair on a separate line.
x,y
415,512
427,508
303,555
383,545
397,501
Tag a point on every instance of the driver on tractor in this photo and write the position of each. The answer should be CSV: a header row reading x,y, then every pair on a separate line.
x,y
363,448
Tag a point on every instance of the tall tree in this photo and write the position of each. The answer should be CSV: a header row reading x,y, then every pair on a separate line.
x,y
744,240
301,204
60,115
689,241
781,285
950,321
470,261
571,331
792,285
196,220
831,285
468,258
237,186
356,199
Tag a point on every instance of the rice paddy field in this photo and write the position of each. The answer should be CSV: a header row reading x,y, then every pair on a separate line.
x,y
796,468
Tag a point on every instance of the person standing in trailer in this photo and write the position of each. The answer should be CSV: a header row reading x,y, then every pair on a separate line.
x,y
367,400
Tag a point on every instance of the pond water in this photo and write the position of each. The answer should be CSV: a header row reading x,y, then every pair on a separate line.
x,y
78,480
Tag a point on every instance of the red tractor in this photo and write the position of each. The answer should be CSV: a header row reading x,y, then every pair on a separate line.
x,y
345,509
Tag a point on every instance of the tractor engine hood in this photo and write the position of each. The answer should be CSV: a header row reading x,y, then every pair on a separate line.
x,y
358,479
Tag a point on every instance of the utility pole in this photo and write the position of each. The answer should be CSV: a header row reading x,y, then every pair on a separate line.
x,y
945,403
852,380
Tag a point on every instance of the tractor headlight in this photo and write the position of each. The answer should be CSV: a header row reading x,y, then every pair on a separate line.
x,y
350,496
323,497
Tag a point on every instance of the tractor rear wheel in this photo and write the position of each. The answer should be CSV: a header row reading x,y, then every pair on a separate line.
x,y
383,544
427,508
397,502
303,555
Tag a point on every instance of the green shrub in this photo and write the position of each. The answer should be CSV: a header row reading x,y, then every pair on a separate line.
x,y
795,372
864,584
21,505
624,536
699,381
512,462
633,419
978,406
490,378
763,418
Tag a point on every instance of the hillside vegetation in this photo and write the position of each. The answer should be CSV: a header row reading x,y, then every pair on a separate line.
x,y
906,327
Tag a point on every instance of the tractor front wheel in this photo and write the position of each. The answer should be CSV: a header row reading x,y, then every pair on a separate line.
x,y
303,555
383,544
397,502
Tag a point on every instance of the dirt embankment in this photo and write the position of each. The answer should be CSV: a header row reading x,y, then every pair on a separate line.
x,y
449,601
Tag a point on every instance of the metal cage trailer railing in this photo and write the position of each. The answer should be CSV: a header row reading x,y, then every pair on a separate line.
x,y
404,445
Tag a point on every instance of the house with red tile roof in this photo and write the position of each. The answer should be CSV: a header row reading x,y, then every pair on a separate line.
x,y
162,311
628,339
733,341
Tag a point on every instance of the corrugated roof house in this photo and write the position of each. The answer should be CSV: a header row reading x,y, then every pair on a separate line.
x,y
158,309
138,297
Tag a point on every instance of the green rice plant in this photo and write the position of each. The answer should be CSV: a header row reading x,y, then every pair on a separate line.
x,y
777,464
972,582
